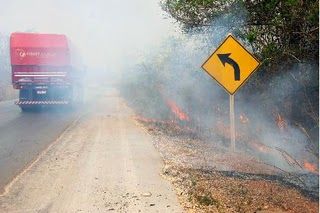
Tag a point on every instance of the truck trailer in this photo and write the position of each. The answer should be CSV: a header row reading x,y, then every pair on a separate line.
x,y
42,71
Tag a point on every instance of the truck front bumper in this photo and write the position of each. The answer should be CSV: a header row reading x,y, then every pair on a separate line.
x,y
41,102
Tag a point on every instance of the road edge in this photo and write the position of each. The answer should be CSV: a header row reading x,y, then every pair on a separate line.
x,y
6,189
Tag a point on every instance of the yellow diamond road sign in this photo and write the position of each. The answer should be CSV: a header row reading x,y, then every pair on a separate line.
x,y
231,64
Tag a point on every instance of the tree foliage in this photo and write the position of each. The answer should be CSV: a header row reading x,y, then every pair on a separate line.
x,y
278,30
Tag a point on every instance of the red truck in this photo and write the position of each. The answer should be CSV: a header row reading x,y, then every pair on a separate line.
x,y
42,70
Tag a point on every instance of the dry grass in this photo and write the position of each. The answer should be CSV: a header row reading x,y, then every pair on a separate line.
x,y
218,192
210,179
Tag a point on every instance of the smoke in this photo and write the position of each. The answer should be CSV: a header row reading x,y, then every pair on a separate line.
x,y
106,33
173,73
158,66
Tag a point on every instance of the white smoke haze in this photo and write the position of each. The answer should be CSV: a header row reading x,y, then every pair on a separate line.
x,y
132,40
173,72
105,32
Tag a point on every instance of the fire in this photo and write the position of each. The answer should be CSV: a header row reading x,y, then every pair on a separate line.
x,y
281,123
177,111
243,118
310,167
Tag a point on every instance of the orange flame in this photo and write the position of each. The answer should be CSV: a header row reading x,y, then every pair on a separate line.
x,y
177,111
281,123
310,167
243,118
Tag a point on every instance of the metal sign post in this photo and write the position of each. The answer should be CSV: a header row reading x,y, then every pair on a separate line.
x,y
231,65
232,125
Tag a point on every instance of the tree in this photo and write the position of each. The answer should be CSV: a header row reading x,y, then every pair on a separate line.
x,y
278,30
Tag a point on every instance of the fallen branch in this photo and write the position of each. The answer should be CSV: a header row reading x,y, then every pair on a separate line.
x,y
290,160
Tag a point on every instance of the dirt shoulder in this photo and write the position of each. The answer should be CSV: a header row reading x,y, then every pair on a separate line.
x,y
210,179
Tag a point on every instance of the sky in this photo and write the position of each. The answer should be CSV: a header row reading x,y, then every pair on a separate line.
x,y
106,32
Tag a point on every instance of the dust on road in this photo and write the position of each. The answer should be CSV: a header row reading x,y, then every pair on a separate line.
x,y
103,162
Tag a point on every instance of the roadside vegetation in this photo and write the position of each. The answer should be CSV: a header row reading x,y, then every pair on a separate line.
x,y
283,34
279,31
277,116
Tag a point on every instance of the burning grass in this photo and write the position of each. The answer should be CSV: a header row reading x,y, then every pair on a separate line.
x,y
209,178
177,111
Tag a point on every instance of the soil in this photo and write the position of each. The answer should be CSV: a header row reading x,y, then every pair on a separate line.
x,y
210,178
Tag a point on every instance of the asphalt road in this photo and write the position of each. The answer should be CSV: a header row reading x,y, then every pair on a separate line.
x,y
24,135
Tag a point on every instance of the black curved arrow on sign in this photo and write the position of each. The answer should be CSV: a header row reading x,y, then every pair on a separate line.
x,y
224,58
